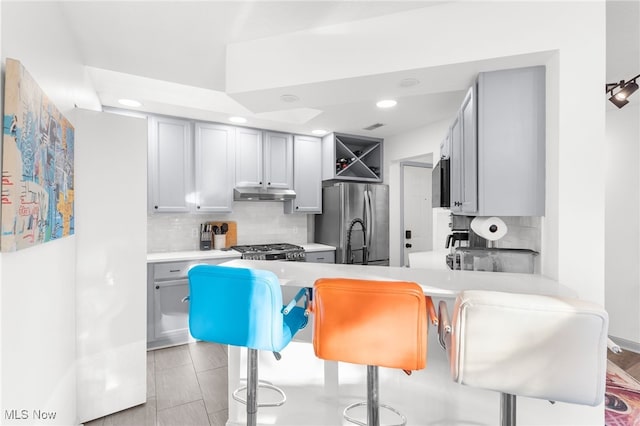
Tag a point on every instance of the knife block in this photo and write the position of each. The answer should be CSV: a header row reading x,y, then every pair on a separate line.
x,y
232,233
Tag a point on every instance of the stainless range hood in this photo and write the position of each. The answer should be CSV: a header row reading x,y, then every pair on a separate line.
x,y
263,194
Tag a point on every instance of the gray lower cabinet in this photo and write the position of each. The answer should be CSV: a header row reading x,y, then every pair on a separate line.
x,y
167,314
328,256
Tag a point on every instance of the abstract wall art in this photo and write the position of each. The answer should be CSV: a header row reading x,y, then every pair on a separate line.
x,y
37,165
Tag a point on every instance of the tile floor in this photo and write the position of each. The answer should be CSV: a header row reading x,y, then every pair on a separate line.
x,y
628,361
186,385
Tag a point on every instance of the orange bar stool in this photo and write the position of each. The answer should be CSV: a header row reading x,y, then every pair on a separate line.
x,y
373,323
527,345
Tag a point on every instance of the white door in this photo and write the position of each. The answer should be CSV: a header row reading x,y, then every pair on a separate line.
x,y
418,214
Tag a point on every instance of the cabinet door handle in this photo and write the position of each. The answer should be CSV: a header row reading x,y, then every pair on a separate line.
x,y
174,270
260,182
268,183
155,207
157,287
198,206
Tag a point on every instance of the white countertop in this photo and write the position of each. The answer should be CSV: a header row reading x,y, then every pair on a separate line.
x,y
435,282
175,256
310,247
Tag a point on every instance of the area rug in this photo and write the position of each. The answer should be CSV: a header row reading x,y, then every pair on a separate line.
x,y
622,398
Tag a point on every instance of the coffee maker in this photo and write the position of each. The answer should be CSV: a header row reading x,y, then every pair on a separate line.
x,y
461,236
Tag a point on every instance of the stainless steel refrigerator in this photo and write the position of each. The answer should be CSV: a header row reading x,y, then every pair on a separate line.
x,y
347,208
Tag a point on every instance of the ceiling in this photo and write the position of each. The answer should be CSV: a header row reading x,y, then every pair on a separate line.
x,y
171,56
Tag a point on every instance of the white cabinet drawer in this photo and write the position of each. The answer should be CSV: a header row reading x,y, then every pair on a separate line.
x,y
321,256
177,270
171,270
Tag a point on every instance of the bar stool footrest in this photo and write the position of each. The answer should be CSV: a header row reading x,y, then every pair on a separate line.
x,y
265,385
358,422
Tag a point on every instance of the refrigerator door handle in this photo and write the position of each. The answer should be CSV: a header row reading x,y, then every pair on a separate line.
x,y
369,220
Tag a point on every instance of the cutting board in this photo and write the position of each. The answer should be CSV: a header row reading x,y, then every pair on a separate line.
x,y
232,232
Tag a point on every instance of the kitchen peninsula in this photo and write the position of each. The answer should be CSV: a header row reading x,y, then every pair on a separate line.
x,y
317,391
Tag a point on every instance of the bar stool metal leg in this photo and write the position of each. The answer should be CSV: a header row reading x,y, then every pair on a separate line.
x,y
252,387
373,409
253,383
372,403
507,409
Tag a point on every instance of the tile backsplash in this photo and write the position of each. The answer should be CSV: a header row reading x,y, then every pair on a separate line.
x,y
257,223
524,232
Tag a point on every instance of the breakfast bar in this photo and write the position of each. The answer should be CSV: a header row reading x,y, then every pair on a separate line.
x,y
317,391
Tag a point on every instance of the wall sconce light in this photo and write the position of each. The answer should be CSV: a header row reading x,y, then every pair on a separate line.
x,y
626,89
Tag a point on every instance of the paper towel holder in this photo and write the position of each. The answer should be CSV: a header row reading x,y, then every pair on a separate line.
x,y
487,229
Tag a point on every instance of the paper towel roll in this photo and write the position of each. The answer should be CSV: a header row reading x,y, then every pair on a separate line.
x,y
490,227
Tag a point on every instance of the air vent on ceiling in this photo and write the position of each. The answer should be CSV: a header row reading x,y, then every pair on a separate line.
x,y
373,126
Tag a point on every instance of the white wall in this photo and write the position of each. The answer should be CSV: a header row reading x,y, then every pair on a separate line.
x,y
38,284
622,214
405,146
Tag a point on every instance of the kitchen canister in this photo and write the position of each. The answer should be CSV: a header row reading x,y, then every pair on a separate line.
x,y
490,228
219,241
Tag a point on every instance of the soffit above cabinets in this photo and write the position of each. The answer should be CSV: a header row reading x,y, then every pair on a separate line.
x,y
177,64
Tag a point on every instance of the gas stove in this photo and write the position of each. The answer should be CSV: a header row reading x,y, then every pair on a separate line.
x,y
279,251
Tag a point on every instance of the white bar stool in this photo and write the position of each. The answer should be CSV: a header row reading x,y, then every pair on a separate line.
x,y
527,345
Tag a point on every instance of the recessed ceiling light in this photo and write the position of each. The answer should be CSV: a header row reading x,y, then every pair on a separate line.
x,y
129,103
237,119
289,98
386,103
408,82
319,132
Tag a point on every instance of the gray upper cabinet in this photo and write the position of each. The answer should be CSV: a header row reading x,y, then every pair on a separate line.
x,y
249,159
214,167
498,146
455,140
469,153
264,159
351,158
307,176
278,160
190,173
170,177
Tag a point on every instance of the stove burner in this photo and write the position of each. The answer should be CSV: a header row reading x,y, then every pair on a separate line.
x,y
278,251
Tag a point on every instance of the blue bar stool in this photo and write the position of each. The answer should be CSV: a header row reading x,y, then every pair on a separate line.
x,y
243,307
